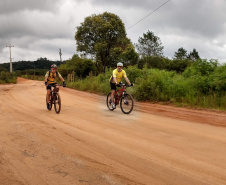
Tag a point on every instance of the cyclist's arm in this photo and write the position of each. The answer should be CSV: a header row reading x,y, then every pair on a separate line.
x,y
114,80
60,76
127,80
46,77
62,79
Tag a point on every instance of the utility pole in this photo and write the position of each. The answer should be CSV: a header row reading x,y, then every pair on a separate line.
x,y
60,54
11,66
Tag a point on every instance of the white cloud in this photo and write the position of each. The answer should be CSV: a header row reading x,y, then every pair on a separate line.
x,y
40,28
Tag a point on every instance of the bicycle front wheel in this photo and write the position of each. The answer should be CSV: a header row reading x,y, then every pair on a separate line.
x,y
109,102
57,103
126,104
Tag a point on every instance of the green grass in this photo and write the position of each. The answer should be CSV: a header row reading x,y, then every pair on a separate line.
x,y
13,81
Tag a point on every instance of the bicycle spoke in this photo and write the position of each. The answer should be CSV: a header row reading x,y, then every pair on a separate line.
x,y
126,104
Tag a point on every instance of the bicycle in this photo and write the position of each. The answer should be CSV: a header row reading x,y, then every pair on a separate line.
x,y
125,99
55,99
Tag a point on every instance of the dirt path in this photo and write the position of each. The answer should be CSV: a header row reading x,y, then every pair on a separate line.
x,y
88,144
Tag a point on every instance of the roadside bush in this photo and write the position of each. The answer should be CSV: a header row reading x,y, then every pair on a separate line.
x,y
154,85
6,77
96,84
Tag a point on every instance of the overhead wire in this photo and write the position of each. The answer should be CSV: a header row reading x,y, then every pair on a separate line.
x,y
148,14
9,27
3,26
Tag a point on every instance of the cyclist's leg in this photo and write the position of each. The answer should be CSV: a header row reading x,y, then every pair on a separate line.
x,y
48,95
113,89
112,95
48,88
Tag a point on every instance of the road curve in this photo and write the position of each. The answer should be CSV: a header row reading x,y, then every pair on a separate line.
x,y
89,145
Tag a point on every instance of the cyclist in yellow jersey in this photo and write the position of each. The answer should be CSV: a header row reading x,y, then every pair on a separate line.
x,y
50,80
115,79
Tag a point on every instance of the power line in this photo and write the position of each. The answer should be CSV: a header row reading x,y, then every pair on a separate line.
x,y
9,46
3,26
6,12
148,15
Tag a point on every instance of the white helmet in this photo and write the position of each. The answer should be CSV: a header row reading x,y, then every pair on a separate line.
x,y
120,64
54,66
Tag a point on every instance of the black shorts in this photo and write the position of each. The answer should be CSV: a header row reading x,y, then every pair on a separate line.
x,y
50,85
113,86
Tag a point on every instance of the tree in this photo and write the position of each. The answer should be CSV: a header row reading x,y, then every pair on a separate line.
x,y
179,65
2,69
149,45
181,54
103,37
194,55
81,66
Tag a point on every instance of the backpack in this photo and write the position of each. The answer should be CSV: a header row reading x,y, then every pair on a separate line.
x,y
56,73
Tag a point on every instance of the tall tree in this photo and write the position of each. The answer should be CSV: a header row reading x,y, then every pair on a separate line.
x,y
103,37
149,45
194,55
181,54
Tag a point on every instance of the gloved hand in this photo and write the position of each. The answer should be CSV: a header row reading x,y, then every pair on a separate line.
x,y
64,84
45,83
131,84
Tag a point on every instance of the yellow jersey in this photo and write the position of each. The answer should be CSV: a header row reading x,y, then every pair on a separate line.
x,y
51,77
118,75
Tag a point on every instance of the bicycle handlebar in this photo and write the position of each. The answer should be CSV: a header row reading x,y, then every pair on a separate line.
x,y
124,85
60,85
57,85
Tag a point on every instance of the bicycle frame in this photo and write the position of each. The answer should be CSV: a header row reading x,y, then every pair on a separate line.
x,y
53,91
120,93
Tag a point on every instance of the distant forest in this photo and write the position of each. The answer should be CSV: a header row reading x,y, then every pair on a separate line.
x,y
40,63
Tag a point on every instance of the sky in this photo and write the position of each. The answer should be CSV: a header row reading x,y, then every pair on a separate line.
x,y
40,28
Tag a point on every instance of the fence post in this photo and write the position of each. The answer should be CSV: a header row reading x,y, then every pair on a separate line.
x,y
69,77
73,76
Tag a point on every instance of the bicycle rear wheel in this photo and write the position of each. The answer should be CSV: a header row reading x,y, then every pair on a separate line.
x,y
109,102
57,103
126,103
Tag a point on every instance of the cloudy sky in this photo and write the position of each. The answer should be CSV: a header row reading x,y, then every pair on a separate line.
x,y
39,28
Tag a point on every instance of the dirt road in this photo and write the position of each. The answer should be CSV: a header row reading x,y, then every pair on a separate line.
x,y
88,144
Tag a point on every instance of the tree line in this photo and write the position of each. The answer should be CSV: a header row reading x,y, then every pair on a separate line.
x,y
40,63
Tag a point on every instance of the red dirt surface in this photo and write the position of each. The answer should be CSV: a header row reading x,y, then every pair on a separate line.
x,y
88,144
